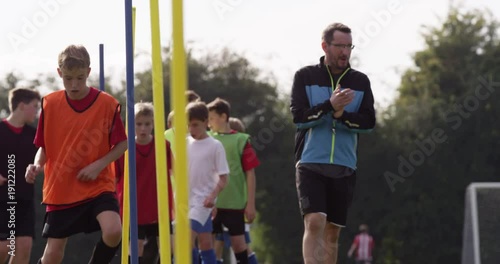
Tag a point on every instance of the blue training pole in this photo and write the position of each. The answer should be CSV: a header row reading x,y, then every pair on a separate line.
x,y
131,133
101,67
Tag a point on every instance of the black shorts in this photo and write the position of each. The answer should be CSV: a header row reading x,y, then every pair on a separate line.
x,y
148,230
17,220
320,194
78,219
234,220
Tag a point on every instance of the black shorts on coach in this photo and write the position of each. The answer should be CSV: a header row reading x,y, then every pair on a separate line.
x,y
78,219
321,194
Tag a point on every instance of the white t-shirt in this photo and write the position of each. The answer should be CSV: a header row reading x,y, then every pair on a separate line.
x,y
207,161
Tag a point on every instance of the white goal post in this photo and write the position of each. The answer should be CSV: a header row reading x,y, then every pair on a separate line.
x,y
472,251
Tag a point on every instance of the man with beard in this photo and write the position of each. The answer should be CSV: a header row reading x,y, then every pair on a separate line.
x,y
331,104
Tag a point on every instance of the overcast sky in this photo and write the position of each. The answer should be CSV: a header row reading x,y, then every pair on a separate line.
x,y
277,36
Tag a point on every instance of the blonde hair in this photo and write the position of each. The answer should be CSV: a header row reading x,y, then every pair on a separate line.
x,y
144,109
74,56
170,119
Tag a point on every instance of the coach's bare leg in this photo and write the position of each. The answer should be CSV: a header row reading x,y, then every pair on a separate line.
x,y
54,251
331,242
314,226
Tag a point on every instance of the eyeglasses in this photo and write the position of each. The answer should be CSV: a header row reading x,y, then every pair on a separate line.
x,y
343,46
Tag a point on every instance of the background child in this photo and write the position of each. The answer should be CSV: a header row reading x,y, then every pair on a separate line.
x,y
191,96
208,171
237,200
80,134
17,151
224,240
362,245
147,202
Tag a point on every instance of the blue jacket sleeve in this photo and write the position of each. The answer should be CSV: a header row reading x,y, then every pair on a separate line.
x,y
305,116
364,120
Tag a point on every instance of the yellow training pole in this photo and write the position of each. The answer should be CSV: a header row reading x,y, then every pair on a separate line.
x,y
178,99
159,125
125,210
126,187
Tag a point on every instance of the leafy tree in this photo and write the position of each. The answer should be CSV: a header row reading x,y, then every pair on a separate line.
x,y
421,220
254,99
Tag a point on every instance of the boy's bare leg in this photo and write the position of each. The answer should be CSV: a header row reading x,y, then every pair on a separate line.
x,y
150,253
205,241
111,228
219,248
239,246
238,243
54,251
140,245
195,254
249,250
4,251
23,250
105,249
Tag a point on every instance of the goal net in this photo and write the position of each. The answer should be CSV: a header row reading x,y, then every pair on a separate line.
x,y
481,230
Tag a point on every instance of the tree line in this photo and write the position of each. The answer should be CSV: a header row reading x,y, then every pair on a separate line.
x,y
439,135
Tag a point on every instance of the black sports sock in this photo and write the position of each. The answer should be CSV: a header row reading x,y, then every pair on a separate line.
x,y
39,261
242,257
103,254
141,260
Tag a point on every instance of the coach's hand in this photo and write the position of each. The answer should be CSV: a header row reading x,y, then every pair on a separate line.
x,y
31,172
341,98
91,171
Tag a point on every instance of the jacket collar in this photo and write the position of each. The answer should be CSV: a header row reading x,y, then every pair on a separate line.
x,y
323,65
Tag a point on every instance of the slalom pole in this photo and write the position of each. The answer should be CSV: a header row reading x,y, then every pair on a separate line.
x,y
129,41
101,67
178,100
159,128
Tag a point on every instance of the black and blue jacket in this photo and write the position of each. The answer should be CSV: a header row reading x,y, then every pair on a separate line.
x,y
321,138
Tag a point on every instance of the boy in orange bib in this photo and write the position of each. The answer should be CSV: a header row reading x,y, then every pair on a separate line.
x,y
80,134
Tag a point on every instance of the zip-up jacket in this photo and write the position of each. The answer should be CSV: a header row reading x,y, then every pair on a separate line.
x,y
321,138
